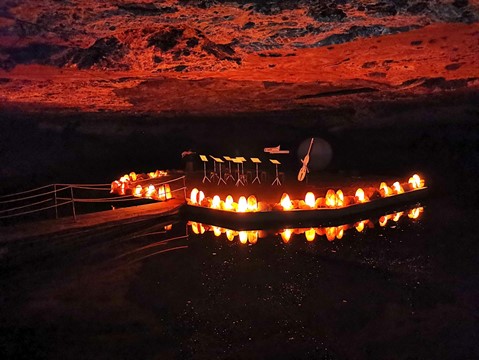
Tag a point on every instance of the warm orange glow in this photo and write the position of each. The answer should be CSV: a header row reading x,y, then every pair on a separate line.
x,y
168,227
133,176
416,182
384,190
161,193
330,233
360,196
201,197
216,230
243,237
216,202
397,216
150,191
331,198
360,226
286,235
137,191
194,196
397,188
168,192
339,198
228,203
310,200
125,178
310,234
197,228
339,233
415,213
383,220
242,204
252,203
286,202
230,235
253,237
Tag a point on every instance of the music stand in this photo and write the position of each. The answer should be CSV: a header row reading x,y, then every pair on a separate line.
x,y
213,173
205,160
242,168
239,181
220,162
256,161
276,180
229,175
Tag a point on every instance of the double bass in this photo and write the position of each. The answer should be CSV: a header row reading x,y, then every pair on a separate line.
x,y
304,169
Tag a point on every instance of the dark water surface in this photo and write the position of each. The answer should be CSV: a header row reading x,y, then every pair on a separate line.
x,y
143,290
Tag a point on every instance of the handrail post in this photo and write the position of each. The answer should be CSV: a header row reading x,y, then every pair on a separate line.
x,y
73,204
56,203
184,186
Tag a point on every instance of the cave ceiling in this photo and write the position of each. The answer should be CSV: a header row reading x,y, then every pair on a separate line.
x,y
224,58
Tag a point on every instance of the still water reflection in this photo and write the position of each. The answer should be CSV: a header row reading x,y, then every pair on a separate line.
x,y
331,233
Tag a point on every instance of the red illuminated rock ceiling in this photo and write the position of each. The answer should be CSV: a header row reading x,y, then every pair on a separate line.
x,y
230,57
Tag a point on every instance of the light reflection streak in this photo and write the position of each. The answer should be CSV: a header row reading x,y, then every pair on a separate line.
x,y
331,233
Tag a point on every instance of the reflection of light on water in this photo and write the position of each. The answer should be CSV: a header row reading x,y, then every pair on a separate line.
x,y
331,233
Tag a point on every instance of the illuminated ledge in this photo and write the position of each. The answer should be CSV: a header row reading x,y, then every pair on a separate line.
x,y
300,218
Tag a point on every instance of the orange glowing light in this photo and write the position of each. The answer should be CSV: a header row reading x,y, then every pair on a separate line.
x,y
201,197
216,202
161,193
416,182
330,233
133,176
360,226
194,196
331,198
360,196
228,205
310,200
230,235
216,230
383,220
197,228
339,198
168,192
310,234
339,233
243,237
286,202
397,188
137,191
253,237
384,190
252,203
242,204
415,213
397,216
286,235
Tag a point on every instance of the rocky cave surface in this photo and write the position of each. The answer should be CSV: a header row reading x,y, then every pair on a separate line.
x,y
345,62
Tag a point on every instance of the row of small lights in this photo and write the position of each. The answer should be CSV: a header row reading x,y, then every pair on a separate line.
x,y
126,186
331,233
333,199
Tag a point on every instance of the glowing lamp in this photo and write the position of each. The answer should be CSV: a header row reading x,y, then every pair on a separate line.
x,y
360,226
162,193
416,182
286,202
137,191
216,202
194,196
310,199
201,197
243,237
253,237
230,235
216,230
168,192
252,203
339,198
330,233
228,203
397,188
383,220
115,186
242,204
384,190
397,216
360,196
133,176
286,235
310,234
414,213
331,198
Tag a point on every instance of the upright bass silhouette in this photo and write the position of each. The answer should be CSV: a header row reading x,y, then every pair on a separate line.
x,y
304,169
